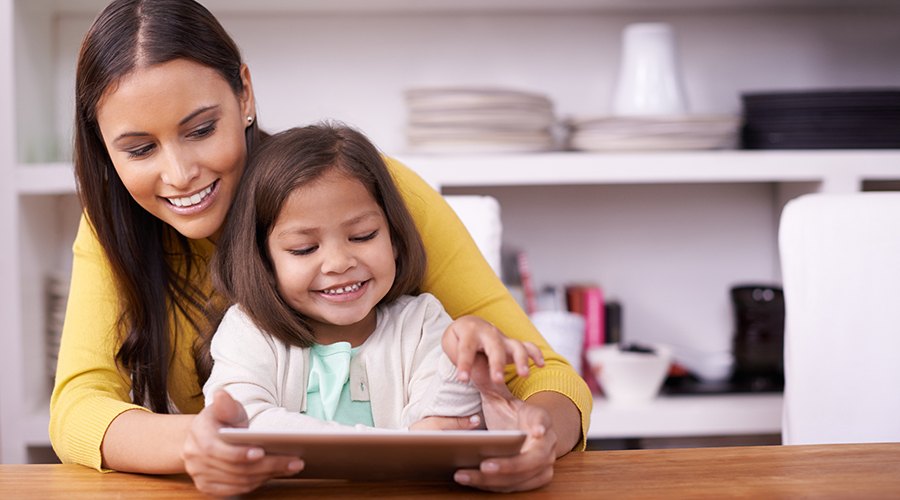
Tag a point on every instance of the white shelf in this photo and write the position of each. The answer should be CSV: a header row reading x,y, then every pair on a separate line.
x,y
566,168
680,416
666,416
45,178
837,168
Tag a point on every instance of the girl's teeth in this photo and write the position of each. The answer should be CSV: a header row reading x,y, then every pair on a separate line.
x,y
345,289
188,201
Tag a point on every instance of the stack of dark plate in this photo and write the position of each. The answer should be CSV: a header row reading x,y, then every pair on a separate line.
x,y
824,119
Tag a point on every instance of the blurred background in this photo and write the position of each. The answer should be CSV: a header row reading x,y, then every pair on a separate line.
x,y
666,213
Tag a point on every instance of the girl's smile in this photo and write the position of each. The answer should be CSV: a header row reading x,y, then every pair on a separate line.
x,y
346,292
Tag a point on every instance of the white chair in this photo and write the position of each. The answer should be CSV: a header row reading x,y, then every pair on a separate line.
x,y
840,259
481,216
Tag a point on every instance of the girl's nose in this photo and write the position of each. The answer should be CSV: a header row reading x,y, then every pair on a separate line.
x,y
338,259
179,171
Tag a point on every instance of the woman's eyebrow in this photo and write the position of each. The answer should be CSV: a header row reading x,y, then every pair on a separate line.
x,y
189,117
196,112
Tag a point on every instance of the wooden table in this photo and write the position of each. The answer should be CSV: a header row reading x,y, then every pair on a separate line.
x,y
822,471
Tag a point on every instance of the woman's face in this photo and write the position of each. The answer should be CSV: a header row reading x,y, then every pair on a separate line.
x,y
175,134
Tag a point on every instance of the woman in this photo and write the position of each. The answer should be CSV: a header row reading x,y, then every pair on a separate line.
x,y
165,118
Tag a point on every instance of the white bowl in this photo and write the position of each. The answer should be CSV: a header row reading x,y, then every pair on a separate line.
x,y
629,378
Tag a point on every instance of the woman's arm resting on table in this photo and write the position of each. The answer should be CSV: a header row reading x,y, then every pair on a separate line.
x,y
140,441
145,442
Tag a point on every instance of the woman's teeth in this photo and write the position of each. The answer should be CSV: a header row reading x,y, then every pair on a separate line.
x,y
188,201
344,289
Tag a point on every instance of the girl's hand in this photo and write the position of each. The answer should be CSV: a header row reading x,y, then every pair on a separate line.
x,y
470,335
471,423
221,469
533,466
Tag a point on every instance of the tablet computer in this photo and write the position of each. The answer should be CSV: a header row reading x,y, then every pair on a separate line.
x,y
382,454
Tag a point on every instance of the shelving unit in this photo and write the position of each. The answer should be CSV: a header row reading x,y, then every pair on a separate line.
x,y
666,233
688,416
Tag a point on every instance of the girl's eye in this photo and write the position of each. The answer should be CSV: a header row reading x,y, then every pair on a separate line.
x,y
365,237
140,152
203,131
303,251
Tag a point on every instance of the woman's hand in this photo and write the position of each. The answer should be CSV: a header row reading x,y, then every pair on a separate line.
x,y
469,335
533,466
221,469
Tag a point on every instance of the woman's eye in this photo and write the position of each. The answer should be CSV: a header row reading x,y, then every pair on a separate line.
x,y
203,131
303,251
140,152
365,237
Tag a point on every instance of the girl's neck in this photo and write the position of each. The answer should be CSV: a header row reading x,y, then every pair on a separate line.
x,y
356,334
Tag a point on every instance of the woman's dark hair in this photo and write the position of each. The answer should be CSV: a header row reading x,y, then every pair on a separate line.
x,y
242,267
156,273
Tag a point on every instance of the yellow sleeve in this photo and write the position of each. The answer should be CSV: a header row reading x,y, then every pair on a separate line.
x,y
464,282
90,390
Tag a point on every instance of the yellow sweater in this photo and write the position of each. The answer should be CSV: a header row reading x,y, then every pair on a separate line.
x,y
91,390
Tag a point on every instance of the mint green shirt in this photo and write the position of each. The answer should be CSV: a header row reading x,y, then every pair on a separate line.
x,y
328,393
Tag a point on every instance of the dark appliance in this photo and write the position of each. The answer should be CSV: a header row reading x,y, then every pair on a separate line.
x,y
758,341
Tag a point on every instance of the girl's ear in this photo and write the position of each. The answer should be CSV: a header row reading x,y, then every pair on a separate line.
x,y
248,102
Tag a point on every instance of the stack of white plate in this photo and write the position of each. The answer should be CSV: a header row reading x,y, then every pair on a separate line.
x,y
478,120
636,133
57,296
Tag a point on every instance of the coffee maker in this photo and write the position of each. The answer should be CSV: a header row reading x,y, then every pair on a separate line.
x,y
758,342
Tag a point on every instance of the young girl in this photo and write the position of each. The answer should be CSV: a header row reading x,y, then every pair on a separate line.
x,y
321,257
156,188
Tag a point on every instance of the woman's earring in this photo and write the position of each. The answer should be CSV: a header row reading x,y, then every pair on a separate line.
x,y
249,120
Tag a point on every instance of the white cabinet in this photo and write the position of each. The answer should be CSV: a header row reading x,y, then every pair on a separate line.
x,y
666,233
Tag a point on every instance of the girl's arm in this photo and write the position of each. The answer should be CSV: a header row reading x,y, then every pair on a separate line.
x,y
434,387
465,284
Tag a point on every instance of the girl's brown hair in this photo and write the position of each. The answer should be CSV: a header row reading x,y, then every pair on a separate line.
x,y
156,273
242,268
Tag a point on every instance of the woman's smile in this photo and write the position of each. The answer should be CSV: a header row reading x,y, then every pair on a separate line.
x,y
194,203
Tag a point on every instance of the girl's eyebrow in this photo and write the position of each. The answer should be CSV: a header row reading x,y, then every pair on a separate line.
x,y
361,217
307,230
190,116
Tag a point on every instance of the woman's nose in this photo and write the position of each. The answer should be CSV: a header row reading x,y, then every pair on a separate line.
x,y
179,170
338,259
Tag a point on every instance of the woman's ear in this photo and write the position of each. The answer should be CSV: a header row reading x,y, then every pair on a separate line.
x,y
248,101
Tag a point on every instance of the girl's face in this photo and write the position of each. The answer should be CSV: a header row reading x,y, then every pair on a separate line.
x,y
333,257
175,134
